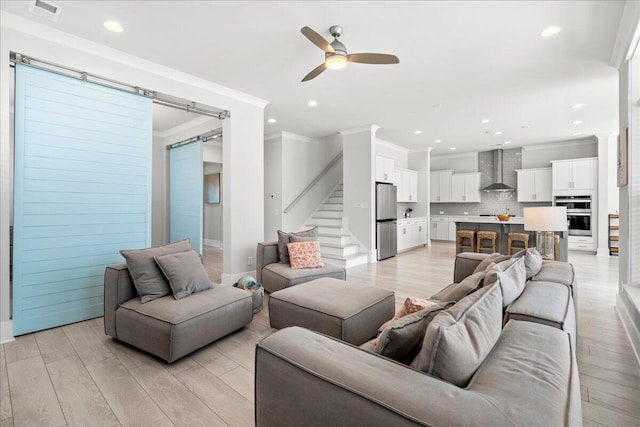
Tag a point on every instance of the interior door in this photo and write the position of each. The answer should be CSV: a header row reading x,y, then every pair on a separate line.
x,y
82,192
187,194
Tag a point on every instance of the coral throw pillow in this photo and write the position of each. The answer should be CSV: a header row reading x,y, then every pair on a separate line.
x,y
413,305
305,255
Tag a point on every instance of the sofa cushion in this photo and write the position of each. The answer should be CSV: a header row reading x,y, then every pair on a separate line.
x,y
548,303
401,340
492,258
456,291
305,255
147,276
511,276
533,369
185,273
300,236
556,271
169,310
459,339
278,276
532,261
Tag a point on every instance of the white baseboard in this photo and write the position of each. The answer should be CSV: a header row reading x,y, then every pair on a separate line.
x,y
6,332
373,256
231,279
211,242
630,328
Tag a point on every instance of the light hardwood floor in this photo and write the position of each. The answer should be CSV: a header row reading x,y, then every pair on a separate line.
x,y
75,375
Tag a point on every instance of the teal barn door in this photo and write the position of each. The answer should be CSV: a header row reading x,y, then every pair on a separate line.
x,y
187,194
82,192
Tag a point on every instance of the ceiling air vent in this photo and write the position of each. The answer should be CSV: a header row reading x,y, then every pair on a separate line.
x,y
46,9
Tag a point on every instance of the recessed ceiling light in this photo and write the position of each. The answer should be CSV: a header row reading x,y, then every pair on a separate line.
x,y
435,105
525,126
497,132
578,122
485,121
417,132
577,106
452,148
437,141
507,142
312,103
113,26
551,31
577,133
272,120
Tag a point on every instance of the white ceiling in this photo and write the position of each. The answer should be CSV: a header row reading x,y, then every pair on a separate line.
x,y
460,62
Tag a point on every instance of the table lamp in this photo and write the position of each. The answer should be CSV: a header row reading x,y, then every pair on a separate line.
x,y
544,221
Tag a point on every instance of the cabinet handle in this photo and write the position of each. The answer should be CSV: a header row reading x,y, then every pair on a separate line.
x,y
420,228
385,176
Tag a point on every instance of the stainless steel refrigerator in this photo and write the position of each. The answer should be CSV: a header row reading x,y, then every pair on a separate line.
x,y
386,224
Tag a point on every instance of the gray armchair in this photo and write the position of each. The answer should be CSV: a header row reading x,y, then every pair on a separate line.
x,y
274,275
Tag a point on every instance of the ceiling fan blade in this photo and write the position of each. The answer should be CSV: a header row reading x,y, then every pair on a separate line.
x,y
315,72
373,58
317,39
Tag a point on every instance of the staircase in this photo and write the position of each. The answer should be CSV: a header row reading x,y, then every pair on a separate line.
x,y
335,242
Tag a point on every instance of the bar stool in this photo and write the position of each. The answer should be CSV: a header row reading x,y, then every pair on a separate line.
x,y
487,235
461,244
517,238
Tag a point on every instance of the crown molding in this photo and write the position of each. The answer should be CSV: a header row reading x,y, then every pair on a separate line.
x,y
369,128
272,135
391,145
628,34
296,137
456,156
571,143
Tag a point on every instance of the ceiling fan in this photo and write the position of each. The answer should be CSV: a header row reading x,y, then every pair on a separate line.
x,y
335,53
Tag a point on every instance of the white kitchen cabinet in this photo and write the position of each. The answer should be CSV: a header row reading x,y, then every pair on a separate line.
x,y
407,185
575,174
412,232
465,187
440,188
581,243
384,169
440,229
534,185
452,230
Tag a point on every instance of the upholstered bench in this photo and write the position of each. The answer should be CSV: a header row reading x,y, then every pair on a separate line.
x,y
348,311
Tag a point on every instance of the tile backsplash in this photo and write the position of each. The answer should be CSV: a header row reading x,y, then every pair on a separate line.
x,y
492,203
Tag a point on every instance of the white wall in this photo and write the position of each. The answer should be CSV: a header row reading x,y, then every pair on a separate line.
x,y
292,162
540,155
243,132
459,163
420,161
358,146
400,155
159,189
212,217
272,186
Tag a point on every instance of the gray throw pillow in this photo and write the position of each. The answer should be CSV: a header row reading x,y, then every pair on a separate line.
x,y
494,257
147,276
286,238
511,275
532,261
458,340
185,273
456,291
401,340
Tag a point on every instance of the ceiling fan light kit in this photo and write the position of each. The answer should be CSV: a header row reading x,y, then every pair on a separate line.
x,y
336,56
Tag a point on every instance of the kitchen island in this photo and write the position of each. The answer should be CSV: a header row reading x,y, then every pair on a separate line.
x,y
503,228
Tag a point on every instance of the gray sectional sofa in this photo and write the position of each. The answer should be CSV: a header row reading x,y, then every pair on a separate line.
x,y
480,364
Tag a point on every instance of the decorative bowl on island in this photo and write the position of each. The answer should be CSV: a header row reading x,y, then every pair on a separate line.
x,y
504,217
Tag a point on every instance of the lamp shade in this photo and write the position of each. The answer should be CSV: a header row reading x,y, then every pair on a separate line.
x,y
546,218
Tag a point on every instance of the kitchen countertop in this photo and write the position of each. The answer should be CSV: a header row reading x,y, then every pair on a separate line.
x,y
480,219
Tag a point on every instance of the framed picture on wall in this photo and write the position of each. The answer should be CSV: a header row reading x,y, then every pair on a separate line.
x,y
212,188
622,157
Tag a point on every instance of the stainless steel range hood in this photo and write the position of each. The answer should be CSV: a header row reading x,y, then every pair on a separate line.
x,y
497,174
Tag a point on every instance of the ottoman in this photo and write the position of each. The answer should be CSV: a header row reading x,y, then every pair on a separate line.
x,y
347,311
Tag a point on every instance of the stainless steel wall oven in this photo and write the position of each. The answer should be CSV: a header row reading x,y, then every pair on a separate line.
x,y
579,214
